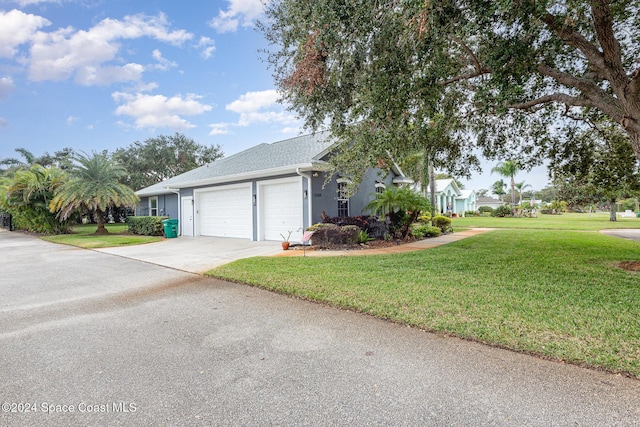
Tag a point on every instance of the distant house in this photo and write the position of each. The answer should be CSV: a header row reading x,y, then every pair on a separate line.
x,y
451,199
489,201
262,192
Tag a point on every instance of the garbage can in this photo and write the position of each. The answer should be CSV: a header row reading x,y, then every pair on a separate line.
x,y
170,228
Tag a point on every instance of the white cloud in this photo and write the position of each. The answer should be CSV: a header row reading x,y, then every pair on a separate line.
x,y
253,101
86,55
219,129
71,120
6,86
208,47
158,111
239,13
17,28
260,107
256,108
163,63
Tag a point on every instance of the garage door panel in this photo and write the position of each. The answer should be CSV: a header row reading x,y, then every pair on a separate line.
x,y
226,212
282,210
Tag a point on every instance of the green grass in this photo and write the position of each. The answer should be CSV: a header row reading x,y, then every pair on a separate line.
x,y
568,221
83,236
559,295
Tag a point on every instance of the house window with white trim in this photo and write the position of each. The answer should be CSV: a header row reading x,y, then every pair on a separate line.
x,y
380,187
153,206
343,199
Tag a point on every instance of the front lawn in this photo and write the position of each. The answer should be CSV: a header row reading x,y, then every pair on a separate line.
x,y
567,221
83,236
560,295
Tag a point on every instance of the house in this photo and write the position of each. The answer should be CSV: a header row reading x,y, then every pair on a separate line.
x,y
489,201
451,199
263,192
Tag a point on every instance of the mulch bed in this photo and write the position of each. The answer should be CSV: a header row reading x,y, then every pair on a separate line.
x,y
630,265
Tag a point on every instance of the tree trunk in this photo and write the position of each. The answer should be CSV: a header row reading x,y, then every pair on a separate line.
x,y
100,220
513,191
432,190
612,210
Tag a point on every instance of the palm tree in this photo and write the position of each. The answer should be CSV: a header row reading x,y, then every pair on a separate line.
x,y
93,186
498,189
508,169
521,186
27,196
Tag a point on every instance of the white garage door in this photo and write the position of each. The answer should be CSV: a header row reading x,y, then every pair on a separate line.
x,y
226,212
281,209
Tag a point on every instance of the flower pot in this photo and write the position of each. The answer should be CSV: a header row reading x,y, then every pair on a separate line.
x,y
285,245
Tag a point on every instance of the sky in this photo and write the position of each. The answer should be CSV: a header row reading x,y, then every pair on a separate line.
x,y
99,75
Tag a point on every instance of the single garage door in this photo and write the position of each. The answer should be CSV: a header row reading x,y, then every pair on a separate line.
x,y
226,212
281,209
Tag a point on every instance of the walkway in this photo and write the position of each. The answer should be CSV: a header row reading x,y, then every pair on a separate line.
x,y
407,247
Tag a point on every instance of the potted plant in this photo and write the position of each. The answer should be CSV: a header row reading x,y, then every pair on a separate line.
x,y
285,243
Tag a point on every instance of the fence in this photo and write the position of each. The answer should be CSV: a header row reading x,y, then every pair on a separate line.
x,y
5,221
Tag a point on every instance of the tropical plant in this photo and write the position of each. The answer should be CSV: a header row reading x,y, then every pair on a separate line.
x,y
26,196
498,189
93,186
521,186
402,206
508,169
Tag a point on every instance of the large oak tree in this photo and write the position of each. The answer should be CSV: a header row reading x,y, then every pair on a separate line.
x,y
391,77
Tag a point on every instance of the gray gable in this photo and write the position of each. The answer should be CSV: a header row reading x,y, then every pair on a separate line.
x,y
301,151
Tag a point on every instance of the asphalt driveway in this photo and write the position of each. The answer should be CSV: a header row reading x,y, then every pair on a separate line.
x,y
88,338
195,254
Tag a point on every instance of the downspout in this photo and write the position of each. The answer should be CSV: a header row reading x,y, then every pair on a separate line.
x,y
309,195
177,192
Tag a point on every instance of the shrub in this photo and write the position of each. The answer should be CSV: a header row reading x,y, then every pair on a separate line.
x,y
146,225
425,218
327,235
483,209
443,223
421,231
502,211
471,213
363,237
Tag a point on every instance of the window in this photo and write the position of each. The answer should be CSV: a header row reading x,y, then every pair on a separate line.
x,y
153,206
380,188
343,200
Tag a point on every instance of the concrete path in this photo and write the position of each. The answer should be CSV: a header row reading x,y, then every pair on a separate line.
x,y
629,234
88,338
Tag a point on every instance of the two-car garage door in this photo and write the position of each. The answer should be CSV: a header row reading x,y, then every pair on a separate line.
x,y
227,211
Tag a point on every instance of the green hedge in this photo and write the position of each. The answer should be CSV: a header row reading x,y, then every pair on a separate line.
x,y
146,225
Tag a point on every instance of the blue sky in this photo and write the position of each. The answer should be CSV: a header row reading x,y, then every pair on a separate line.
x,y
102,74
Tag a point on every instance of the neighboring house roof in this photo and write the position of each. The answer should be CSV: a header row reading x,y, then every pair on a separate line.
x,y
465,194
300,153
443,184
484,201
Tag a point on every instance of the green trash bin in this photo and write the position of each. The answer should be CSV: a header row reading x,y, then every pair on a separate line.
x,y
170,228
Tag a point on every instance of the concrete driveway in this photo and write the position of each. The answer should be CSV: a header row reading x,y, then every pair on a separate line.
x,y
88,338
195,254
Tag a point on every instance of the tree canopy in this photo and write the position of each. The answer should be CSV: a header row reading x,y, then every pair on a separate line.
x,y
595,166
393,77
162,157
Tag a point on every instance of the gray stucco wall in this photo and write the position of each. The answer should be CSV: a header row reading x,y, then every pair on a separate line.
x,y
325,198
167,206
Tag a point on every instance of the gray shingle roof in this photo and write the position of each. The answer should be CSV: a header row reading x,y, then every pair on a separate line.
x,y
263,158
